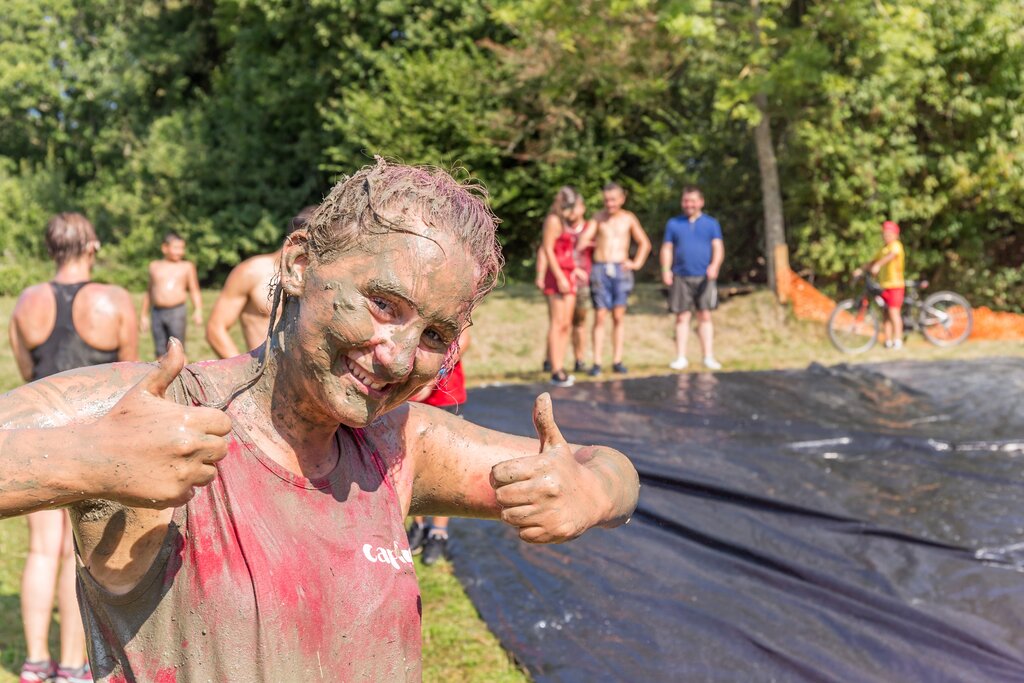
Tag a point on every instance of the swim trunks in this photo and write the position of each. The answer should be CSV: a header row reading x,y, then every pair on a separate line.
x,y
167,323
692,294
610,285
893,297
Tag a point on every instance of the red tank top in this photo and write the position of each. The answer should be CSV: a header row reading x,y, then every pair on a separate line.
x,y
268,576
565,247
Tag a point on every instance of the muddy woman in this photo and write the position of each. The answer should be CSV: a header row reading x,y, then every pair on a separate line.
x,y
293,563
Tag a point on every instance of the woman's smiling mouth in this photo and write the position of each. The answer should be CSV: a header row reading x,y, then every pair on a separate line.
x,y
373,386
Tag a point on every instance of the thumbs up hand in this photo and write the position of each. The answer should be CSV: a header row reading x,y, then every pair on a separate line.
x,y
149,451
550,497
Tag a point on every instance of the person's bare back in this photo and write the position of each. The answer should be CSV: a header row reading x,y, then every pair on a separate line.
x,y
103,316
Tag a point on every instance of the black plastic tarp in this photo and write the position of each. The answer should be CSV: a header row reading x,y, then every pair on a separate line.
x,y
853,523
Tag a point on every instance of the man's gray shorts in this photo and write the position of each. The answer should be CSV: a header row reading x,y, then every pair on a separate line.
x,y
692,294
166,323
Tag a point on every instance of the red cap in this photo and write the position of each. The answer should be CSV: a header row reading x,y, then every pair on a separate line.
x,y
891,225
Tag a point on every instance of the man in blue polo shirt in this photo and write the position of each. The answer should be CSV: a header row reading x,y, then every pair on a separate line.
x,y
691,257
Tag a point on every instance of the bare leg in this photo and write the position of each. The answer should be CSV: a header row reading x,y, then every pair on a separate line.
x,y
72,633
896,321
547,339
561,307
887,326
706,333
599,315
682,333
39,580
440,523
618,332
579,342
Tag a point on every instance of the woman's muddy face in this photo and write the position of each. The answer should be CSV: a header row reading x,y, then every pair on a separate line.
x,y
375,324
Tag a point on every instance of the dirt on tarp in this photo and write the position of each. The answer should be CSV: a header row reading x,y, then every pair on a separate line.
x,y
846,524
809,303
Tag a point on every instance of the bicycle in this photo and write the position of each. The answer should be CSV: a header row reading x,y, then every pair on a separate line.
x,y
944,318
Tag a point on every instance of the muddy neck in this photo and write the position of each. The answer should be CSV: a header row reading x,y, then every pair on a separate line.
x,y
281,411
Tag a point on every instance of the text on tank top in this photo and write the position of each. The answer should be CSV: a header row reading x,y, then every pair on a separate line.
x,y
65,349
268,576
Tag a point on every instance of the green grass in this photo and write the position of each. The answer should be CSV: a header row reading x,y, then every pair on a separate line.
x,y
752,333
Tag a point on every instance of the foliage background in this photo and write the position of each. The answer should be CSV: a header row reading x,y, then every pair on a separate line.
x,y
221,118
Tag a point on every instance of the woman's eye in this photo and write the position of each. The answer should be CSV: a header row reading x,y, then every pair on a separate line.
x,y
380,304
435,338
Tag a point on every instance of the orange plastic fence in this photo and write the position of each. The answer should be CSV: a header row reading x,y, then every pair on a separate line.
x,y
809,303
989,324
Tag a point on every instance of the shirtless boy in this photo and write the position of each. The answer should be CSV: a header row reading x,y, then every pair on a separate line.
x,y
246,298
172,280
611,278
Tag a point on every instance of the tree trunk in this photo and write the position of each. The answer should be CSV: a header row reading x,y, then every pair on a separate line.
x,y
775,250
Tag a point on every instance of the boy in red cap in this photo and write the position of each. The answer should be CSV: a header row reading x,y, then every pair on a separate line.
x,y
887,266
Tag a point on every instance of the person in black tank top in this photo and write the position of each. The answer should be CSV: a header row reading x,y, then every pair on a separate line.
x,y
107,313
65,349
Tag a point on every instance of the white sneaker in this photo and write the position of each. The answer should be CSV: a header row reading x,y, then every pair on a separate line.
x,y
897,344
679,363
712,364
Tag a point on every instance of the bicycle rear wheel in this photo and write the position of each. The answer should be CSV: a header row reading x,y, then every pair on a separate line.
x,y
946,319
853,326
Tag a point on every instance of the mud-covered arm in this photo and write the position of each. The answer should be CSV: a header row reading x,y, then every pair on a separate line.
x,y
44,437
105,433
552,491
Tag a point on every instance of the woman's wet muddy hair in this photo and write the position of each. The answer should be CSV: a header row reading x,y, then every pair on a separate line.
x,y
388,197
299,220
385,198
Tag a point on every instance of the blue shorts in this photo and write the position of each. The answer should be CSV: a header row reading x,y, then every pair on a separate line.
x,y
610,285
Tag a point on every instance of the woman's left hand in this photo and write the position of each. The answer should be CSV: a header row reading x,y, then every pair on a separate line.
x,y
550,497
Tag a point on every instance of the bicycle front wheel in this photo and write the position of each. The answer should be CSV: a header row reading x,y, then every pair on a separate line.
x,y
946,319
853,326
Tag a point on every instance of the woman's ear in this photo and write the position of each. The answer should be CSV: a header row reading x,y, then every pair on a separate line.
x,y
294,261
